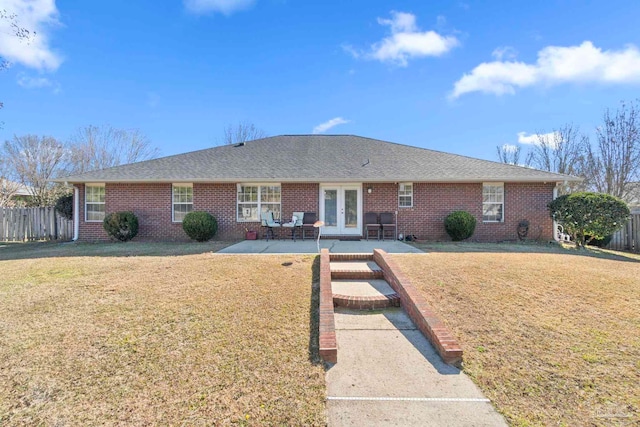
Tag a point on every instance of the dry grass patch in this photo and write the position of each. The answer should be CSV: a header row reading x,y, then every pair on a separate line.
x,y
190,340
552,339
18,250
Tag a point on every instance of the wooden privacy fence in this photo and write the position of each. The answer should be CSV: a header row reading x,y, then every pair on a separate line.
x,y
28,224
628,237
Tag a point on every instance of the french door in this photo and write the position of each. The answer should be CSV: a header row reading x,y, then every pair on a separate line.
x,y
341,209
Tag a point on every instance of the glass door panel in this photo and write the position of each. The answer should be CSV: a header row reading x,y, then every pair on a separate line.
x,y
350,208
330,208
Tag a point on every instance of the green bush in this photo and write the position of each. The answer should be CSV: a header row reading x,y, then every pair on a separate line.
x,y
121,226
460,225
586,216
64,206
200,226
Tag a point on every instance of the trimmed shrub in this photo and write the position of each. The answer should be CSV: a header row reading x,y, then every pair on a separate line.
x,y
64,206
199,225
121,226
460,225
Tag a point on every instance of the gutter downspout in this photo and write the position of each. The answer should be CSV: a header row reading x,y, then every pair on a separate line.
x,y
555,224
76,213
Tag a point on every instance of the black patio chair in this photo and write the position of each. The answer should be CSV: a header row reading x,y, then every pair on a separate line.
x,y
371,224
307,225
388,225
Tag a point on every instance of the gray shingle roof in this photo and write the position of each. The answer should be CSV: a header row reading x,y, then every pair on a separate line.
x,y
317,158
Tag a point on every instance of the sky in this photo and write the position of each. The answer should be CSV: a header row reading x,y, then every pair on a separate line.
x,y
455,76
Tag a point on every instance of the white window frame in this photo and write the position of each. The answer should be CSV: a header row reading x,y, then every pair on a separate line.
x,y
257,204
402,192
500,203
174,203
87,203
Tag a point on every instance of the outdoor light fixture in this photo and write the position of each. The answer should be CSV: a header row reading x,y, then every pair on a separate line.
x,y
369,190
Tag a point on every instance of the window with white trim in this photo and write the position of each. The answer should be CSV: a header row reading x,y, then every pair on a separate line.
x,y
254,199
405,195
182,201
94,202
493,202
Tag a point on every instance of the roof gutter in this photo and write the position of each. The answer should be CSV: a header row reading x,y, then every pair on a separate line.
x,y
312,180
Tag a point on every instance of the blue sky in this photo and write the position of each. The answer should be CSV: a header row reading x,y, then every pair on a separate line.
x,y
459,76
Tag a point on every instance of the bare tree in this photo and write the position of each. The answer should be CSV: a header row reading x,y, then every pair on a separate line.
x,y
613,165
8,188
241,132
93,148
510,154
559,151
563,151
35,161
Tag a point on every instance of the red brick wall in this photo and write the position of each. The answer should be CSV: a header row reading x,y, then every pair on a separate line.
x,y
431,204
299,198
152,204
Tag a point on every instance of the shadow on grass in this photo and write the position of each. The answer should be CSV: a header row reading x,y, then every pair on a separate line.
x,y
526,247
34,250
314,313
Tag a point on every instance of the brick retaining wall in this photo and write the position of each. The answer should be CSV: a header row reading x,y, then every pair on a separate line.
x,y
419,311
327,338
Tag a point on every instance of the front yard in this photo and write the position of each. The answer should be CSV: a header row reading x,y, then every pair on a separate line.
x,y
551,336
173,340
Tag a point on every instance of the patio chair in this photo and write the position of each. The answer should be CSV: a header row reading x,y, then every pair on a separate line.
x,y
388,225
294,224
308,220
269,223
371,224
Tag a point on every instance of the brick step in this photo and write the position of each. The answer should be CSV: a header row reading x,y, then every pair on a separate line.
x,y
356,275
364,294
356,269
366,303
350,257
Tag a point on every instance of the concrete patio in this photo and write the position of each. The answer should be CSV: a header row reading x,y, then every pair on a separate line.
x,y
310,247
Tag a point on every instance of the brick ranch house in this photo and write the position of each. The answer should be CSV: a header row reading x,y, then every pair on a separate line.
x,y
340,177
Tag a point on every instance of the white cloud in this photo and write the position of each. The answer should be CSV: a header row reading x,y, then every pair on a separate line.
x,y
550,138
555,65
351,50
38,17
29,82
33,82
323,127
504,52
226,7
405,42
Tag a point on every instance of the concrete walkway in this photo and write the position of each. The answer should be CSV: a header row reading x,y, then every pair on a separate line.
x,y
389,375
310,247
